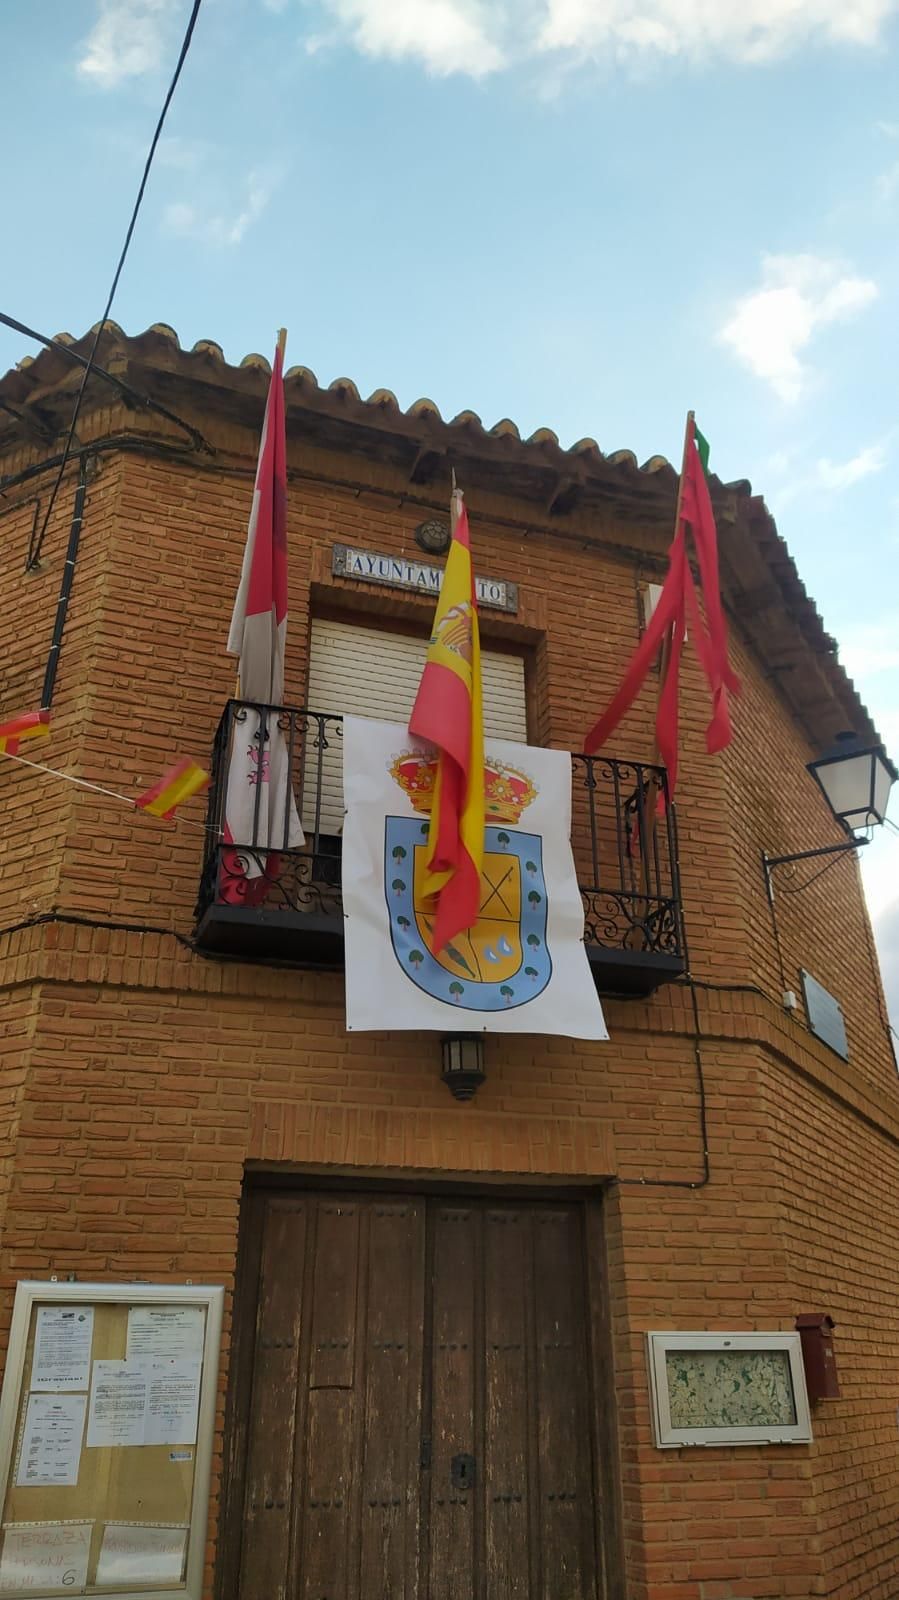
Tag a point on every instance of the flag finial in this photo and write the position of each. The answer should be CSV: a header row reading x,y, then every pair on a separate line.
x,y
282,341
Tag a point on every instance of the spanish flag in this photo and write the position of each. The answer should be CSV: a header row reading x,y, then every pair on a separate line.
x,y
175,786
30,725
448,713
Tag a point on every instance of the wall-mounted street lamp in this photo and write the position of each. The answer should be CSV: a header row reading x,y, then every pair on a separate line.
x,y
462,1063
855,777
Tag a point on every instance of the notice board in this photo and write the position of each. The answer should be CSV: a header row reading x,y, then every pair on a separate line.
x,y
106,1423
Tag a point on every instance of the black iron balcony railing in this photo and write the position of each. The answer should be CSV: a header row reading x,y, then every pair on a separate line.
x,y
263,897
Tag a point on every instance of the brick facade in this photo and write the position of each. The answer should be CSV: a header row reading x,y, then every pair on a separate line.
x,y
139,1079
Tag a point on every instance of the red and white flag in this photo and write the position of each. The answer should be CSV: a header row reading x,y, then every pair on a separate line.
x,y
260,811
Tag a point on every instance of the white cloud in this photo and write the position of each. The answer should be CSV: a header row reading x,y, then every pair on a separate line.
x,y
751,31
477,37
128,39
189,221
890,130
444,36
838,475
770,327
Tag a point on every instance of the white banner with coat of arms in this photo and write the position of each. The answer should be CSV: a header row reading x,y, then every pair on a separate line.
x,y
522,968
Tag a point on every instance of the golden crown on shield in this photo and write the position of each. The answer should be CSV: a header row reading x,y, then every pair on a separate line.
x,y
506,790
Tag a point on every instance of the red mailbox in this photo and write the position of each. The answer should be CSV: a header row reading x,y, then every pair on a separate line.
x,y
815,1329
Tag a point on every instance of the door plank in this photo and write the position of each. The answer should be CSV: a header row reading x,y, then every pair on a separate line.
x,y
607,1498
331,1444
451,1510
505,1489
334,1287
324,1557
269,1480
564,1457
392,1405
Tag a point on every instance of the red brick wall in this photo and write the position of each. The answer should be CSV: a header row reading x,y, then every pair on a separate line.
x,y
138,1078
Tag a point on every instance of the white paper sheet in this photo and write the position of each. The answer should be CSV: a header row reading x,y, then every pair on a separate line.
x,y
62,1347
45,1555
173,1401
51,1441
169,1331
144,1401
135,1553
118,1404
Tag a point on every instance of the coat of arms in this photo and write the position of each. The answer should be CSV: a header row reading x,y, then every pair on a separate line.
x,y
503,961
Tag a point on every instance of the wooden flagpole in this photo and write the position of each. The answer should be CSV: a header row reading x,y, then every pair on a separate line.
x,y
654,788
282,345
666,642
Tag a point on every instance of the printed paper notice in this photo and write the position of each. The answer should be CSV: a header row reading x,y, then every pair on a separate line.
x,y
144,1401
51,1441
135,1553
45,1555
62,1347
118,1404
170,1331
173,1401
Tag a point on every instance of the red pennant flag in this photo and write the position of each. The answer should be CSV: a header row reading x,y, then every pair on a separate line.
x,y
678,607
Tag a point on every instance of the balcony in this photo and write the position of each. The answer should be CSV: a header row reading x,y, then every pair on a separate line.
x,y
277,904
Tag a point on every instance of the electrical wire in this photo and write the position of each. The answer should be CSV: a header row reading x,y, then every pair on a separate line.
x,y
686,1183
182,56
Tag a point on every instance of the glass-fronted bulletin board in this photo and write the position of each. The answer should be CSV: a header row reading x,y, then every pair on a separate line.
x,y
106,1426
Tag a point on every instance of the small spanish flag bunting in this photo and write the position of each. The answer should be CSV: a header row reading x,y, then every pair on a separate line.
x,y
30,725
175,786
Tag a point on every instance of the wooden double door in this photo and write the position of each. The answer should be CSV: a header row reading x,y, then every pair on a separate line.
x,y
416,1415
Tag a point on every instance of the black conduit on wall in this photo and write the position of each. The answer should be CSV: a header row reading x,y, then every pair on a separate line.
x,y
65,590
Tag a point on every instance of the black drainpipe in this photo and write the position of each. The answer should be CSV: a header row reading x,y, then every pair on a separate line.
x,y
68,573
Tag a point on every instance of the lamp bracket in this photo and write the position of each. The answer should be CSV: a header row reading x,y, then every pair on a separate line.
x,y
769,862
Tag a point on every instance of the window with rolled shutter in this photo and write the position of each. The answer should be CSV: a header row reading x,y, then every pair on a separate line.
x,y
370,672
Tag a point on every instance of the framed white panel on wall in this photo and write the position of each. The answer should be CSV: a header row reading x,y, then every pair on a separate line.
x,y
106,1429
727,1389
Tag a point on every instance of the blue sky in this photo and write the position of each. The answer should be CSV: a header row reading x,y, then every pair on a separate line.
x,y
588,214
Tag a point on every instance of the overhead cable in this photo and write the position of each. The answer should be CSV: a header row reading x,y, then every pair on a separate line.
x,y
182,56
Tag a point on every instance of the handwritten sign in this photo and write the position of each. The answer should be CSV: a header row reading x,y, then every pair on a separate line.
x,y
134,1552
45,1555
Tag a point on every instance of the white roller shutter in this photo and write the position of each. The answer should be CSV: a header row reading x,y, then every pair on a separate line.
x,y
368,672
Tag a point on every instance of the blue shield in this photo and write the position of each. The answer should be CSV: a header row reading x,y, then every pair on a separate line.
x,y
503,961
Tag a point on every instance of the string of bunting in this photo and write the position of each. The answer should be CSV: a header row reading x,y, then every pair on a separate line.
x,y
179,783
